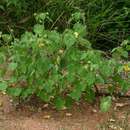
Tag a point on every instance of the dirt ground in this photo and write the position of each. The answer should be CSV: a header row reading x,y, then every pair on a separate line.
x,y
81,117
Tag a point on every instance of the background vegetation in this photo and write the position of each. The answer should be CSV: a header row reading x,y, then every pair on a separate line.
x,y
107,20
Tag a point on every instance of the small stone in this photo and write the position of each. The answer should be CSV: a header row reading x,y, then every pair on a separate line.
x,y
113,98
45,106
94,110
112,120
11,100
120,128
47,117
112,127
68,114
64,108
76,34
4,93
61,51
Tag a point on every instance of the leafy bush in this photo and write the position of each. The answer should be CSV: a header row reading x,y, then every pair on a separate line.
x,y
59,68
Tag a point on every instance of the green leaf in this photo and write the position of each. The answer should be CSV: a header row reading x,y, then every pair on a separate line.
x,y
124,85
80,29
69,39
27,92
105,104
90,78
43,96
6,38
124,54
99,79
106,69
40,17
84,43
77,16
54,36
2,7
120,52
128,47
12,66
14,91
90,96
2,58
38,29
13,79
48,86
59,103
68,102
76,93
3,86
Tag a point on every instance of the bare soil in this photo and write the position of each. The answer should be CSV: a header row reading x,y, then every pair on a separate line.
x,y
83,116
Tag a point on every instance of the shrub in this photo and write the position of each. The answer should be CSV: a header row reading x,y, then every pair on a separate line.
x,y
59,68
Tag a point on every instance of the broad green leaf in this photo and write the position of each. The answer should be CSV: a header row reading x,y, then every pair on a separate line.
x,y
54,36
106,69
76,94
124,54
26,38
7,38
80,29
2,7
90,96
2,58
84,43
128,47
69,39
83,56
3,86
94,56
48,86
125,85
105,104
68,102
38,29
90,78
40,17
59,103
14,91
120,52
12,66
99,79
27,92
43,96
77,16
13,79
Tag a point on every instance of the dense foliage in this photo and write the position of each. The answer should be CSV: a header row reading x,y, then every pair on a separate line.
x,y
107,21
60,67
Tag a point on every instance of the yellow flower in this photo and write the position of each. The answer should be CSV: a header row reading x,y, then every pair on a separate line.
x,y
126,68
40,45
61,51
76,34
